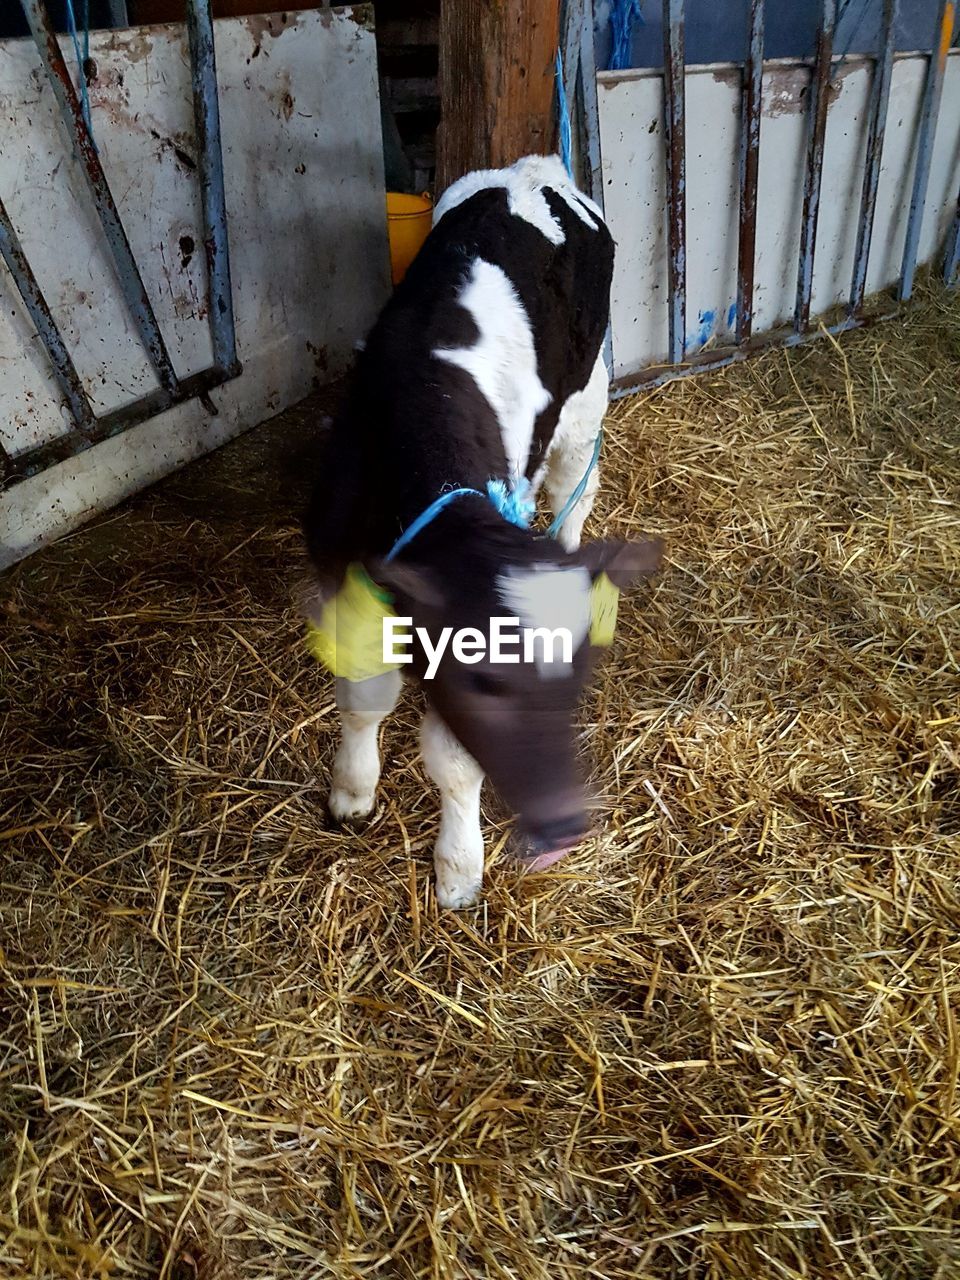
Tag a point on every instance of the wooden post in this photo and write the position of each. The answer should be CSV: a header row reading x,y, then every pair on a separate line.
x,y
497,61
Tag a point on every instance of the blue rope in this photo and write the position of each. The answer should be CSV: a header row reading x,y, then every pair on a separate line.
x,y
578,492
81,77
841,13
514,502
424,518
563,116
623,14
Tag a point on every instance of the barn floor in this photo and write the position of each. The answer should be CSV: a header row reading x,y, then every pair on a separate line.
x,y
719,1042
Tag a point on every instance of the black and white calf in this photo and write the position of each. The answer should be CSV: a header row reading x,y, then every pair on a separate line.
x,y
485,364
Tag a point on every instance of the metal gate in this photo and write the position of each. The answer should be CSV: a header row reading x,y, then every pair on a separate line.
x,y
580,86
87,428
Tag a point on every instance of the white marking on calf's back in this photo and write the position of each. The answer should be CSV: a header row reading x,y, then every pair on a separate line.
x,y
524,183
503,360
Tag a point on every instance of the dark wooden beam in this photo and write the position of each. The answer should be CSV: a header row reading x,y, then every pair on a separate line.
x,y
496,83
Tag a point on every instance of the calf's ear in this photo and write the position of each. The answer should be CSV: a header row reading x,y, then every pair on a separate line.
x,y
409,584
313,591
622,562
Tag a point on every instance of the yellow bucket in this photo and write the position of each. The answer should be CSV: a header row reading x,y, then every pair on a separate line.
x,y
408,224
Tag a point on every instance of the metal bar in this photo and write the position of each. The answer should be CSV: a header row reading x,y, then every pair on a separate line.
x,y
951,262
580,71
719,357
206,110
817,128
591,110
880,97
751,102
131,283
32,461
928,128
572,29
580,15
67,377
674,103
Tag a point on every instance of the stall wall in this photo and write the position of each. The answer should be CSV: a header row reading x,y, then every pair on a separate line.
x,y
303,169
634,193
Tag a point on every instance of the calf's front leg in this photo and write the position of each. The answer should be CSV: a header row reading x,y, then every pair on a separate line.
x,y
356,771
458,853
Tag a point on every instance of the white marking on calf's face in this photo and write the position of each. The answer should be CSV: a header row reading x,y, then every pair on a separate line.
x,y
503,360
551,598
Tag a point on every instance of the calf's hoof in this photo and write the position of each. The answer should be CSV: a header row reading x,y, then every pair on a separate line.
x,y
458,869
348,806
457,895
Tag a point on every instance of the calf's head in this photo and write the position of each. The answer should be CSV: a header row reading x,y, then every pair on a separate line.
x,y
516,716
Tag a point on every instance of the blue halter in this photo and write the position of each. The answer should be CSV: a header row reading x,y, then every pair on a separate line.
x,y
515,505
514,502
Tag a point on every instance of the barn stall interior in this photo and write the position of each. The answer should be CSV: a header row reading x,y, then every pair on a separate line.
x,y
719,1040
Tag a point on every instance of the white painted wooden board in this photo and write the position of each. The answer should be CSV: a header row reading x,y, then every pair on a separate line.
x,y
303,169
634,190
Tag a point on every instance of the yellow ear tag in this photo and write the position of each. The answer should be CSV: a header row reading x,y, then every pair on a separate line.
x,y
604,597
349,637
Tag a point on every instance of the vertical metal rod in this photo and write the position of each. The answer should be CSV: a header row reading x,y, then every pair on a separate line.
x,y
674,101
131,282
750,102
570,47
951,262
879,99
928,128
206,108
816,132
591,111
67,377
580,69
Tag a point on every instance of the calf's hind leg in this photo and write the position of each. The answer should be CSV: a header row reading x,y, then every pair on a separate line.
x,y
570,453
356,771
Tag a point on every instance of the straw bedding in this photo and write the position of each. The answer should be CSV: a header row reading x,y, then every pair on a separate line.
x,y
720,1041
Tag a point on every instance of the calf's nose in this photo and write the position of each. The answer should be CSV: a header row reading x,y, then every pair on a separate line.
x,y
551,840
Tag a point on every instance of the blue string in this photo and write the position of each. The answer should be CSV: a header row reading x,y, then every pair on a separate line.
x,y
81,77
578,492
563,116
841,13
424,518
623,14
514,502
